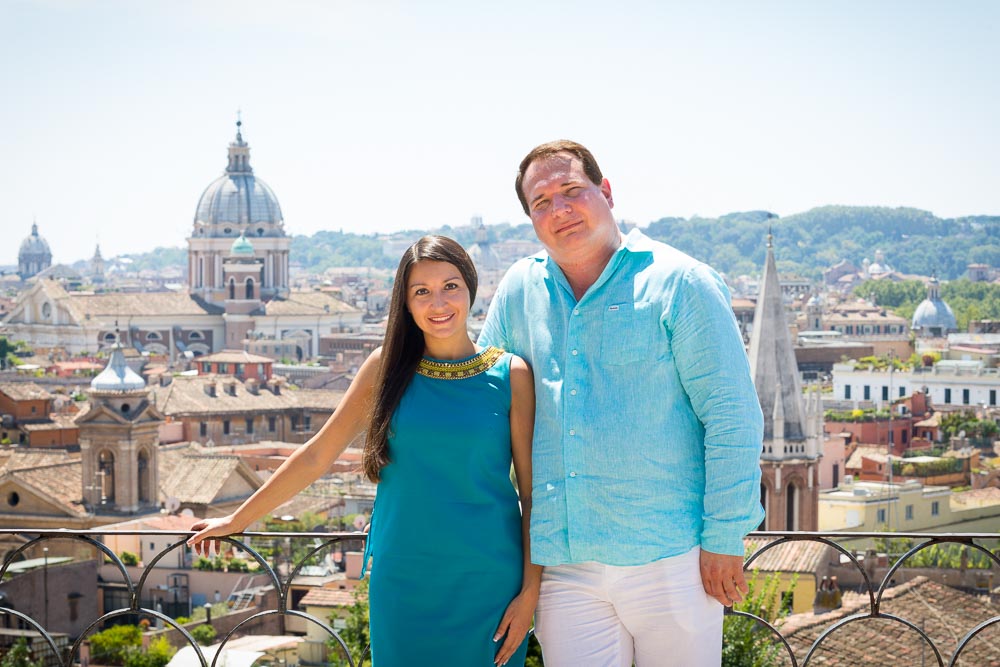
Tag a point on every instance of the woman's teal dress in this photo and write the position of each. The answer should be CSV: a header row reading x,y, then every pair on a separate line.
x,y
445,538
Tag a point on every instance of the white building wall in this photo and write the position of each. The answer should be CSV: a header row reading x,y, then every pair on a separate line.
x,y
971,386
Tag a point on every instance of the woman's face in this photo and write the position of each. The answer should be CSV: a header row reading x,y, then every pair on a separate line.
x,y
438,299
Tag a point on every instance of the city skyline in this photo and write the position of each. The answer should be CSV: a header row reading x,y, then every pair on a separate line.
x,y
362,118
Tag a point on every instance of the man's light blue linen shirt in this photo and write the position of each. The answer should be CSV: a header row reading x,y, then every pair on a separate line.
x,y
648,430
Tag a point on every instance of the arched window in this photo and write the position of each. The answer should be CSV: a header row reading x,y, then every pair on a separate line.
x,y
153,335
142,461
232,288
106,476
249,288
196,335
791,508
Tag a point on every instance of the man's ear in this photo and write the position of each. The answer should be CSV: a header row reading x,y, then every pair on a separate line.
x,y
606,191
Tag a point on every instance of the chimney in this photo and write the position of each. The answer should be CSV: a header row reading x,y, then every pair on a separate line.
x,y
210,388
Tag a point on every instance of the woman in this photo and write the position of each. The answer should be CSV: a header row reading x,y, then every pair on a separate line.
x,y
451,576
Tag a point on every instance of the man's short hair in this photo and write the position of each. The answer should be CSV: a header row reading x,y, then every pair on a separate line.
x,y
550,149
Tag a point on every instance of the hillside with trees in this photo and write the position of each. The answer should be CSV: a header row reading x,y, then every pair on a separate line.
x,y
914,241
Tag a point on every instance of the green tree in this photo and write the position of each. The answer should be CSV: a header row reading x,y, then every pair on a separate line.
x,y
19,655
110,647
745,642
204,634
355,632
157,655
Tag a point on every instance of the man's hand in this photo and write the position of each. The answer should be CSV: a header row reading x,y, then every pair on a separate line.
x,y
722,577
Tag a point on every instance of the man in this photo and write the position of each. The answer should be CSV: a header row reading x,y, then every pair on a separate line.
x,y
648,430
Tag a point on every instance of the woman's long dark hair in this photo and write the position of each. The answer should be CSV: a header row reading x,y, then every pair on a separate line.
x,y
404,344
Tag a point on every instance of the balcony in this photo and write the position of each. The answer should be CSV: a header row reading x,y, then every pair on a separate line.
x,y
902,599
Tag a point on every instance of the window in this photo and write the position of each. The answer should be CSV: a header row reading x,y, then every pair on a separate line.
x,y
239,369
203,429
249,425
270,424
225,427
935,508
307,422
902,392
947,395
993,396
880,515
223,368
847,391
868,392
909,512
153,335
905,435
885,393
965,397
295,422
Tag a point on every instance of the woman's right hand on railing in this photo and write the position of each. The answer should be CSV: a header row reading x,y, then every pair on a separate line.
x,y
202,542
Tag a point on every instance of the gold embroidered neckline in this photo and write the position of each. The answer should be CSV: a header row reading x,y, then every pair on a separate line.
x,y
459,370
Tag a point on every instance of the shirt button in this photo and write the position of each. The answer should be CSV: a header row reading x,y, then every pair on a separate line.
x,y
572,392
573,474
572,431
576,311
575,352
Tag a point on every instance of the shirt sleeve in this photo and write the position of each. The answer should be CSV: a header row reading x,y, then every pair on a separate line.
x,y
715,372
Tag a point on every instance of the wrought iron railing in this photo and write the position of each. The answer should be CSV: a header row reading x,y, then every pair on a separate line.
x,y
279,568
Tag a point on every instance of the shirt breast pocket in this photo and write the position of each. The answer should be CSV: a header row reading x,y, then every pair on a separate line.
x,y
630,333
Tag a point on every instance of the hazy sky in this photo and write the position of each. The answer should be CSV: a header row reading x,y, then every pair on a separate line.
x,y
373,116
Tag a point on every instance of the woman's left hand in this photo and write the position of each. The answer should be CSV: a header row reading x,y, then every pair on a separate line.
x,y
515,624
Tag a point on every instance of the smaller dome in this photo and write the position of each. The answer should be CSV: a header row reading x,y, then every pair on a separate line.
x,y
241,246
34,244
931,314
117,376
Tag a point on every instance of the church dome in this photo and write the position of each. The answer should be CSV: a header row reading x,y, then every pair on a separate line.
x,y
117,376
241,246
35,244
238,200
933,316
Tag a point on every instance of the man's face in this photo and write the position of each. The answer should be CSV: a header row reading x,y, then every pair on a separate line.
x,y
571,215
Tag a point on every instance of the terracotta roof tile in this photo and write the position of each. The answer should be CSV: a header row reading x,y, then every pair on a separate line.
x,y
198,478
235,357
795,556
308,303
60,483
944,613
185,395
328,597
24,391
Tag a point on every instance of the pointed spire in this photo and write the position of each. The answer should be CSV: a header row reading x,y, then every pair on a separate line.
x,y
772,361
770,238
